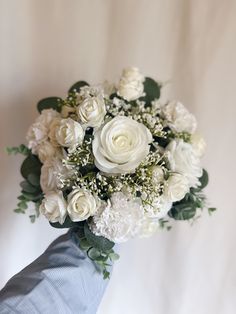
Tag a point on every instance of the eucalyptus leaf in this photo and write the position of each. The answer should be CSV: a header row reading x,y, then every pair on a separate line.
x,y
184,211
67,224
151,89
204,179
99,242
77,86
27,187
31,165
34,179
49,103
94,253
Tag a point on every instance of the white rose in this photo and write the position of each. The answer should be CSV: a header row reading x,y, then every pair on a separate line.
x,y
91,111
81,205
131,86
158,208
36,134
179,118
51,172
69,133
176,187
53,207
46,151
184,160
118,220
121,145
199,144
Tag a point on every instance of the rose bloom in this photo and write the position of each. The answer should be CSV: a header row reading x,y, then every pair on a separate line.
x,y
69,133
179,118
91,111
81,205
121,145
184,160
53,207
176,187
131,86
149,227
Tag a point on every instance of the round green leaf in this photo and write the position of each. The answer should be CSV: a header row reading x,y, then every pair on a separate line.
x,y
67,224
77,86
31,165
34,179
99,242
204,179
182,211
27,187
151,89
94,253
49,103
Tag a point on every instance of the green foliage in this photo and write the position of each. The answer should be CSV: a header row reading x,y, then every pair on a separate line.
x,y
182,211
77,86
98,249
68,223
97,241
31,190
204,179
49,103
31,165
22,149
152,90
211,210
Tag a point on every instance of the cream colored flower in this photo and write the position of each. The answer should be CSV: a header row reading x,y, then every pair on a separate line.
x,y
131,86
46,151
179,118
199,144
121,145
184,160
176,187
81,205
118,220
36,135
91,111
69,133
51,172
53,207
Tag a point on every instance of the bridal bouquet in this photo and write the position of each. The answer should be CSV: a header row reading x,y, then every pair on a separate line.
x,y
114,162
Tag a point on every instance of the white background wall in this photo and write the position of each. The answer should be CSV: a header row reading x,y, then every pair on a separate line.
x,y
45,46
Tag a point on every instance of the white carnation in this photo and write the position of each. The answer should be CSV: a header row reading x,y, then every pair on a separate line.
x,y
176,187
46,150
119,220
121,145
81,204
53,207
69,133
184,160
47,116
179,118
131,86
52,131
36,135
51,172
